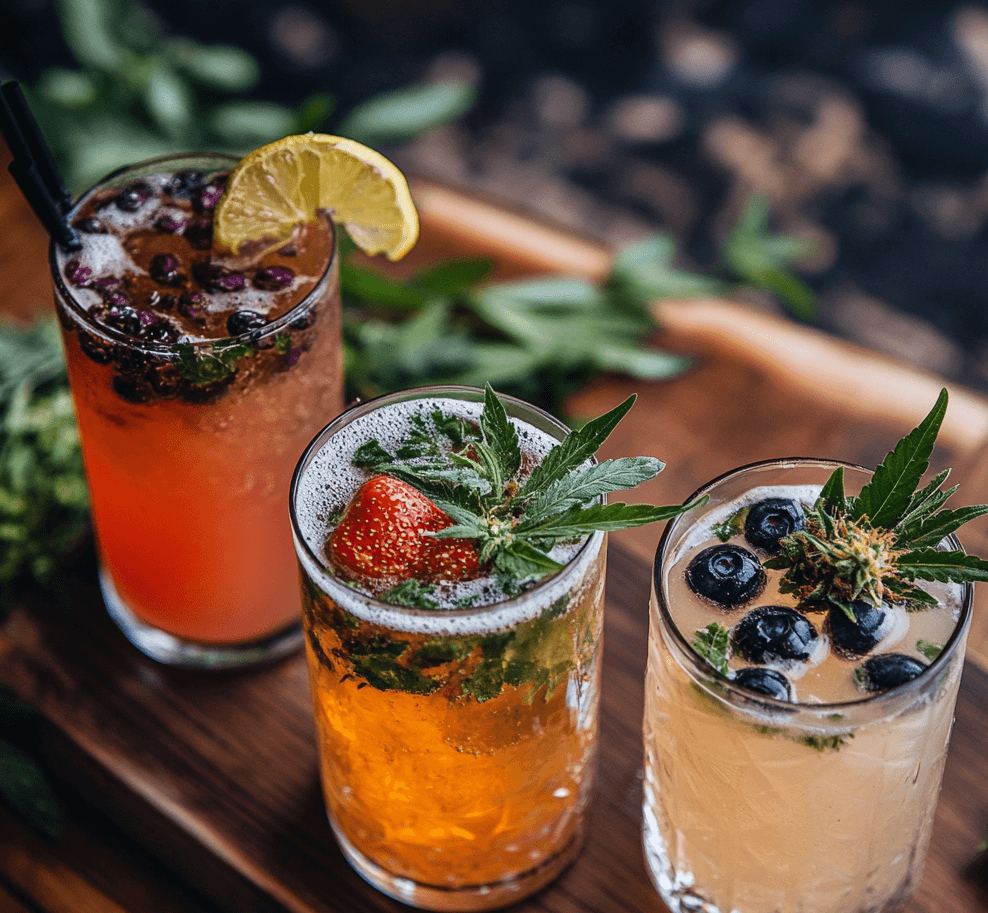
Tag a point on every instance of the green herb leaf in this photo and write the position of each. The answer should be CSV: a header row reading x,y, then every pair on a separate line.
x,y
576,522
576,449
930,650
23,786
712,643
888,494
931,564
411,593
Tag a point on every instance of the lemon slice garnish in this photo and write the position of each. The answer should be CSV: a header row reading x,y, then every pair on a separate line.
x,y
287,183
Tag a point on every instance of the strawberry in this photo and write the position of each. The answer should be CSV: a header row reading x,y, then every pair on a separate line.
x,y
382,535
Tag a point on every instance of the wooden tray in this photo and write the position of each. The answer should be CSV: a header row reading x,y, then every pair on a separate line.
x,y
213,777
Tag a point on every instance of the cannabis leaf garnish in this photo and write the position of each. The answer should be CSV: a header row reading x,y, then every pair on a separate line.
x,y
876,545
476,474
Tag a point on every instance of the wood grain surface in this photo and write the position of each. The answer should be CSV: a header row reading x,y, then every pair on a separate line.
x,y
196,792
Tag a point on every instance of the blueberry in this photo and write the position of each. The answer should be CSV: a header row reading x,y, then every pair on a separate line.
x,y
184,182
727,575
192,305
773,633
273,278
770,520
124,318
133,196
764,681
218,278
888,670
199,233
170,224
205,198
244,321
167,269
855,638
77,273
91,226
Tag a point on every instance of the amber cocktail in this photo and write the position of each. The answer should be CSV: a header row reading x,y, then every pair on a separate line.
x,y
457,738
197,378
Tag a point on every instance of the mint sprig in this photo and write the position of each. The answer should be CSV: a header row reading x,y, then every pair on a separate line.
x,y
877,545
478,477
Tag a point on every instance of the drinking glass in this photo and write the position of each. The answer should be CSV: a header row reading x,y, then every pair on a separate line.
x,y
457,745
189,446
756,805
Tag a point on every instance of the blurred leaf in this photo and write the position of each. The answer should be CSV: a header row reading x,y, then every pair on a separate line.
x,y
551,292
395,116
251,123
169,101
452,277
635,360
87,26
24,787
69,88
218,66
377,289
314,112
761,258
645,271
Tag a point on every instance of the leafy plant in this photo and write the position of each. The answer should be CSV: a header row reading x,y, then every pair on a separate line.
x,y
876,545
139,92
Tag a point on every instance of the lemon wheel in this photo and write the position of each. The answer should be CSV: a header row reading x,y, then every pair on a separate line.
x,y
287,183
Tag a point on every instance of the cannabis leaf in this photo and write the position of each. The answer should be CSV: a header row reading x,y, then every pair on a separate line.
x,y
476,475
876,545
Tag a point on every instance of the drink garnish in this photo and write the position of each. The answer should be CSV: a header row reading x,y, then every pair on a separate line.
x,y
875,546
512,514
281,186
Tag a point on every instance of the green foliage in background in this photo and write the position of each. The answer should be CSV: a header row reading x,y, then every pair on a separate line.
x,y
139,92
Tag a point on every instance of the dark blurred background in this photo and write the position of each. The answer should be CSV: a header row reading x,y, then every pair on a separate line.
x,y
864,122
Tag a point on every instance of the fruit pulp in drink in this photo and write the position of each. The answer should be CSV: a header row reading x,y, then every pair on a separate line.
x,y
457,745
822,806
197,381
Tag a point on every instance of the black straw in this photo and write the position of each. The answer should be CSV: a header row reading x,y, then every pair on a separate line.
x,y
34,141
45,208
34,168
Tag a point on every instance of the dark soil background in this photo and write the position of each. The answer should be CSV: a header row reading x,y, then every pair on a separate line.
x,y
865,123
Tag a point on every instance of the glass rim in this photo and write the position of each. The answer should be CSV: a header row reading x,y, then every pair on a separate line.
x,y
438,391
743,696
154,166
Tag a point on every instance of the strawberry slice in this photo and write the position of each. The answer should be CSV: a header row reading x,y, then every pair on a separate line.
x,y
382,535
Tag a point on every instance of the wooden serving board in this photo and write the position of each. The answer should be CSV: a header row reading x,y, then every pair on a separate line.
x,y
199,792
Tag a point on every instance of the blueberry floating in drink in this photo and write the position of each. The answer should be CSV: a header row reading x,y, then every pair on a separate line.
x,y
726,575
860,636
770,520
888,670
774,633
765,681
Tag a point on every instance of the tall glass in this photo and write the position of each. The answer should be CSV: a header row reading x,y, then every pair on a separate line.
x,y
191,418
457,745
756,805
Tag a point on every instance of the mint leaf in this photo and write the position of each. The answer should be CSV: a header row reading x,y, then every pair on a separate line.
x,y
888,494
930,650
201,368
411,593
712,643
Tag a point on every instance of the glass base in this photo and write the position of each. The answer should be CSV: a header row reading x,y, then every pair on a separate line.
x,y
173,651
463,899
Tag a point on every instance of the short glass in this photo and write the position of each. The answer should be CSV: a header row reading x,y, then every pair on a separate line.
x,y
444,797
189,447
753,805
